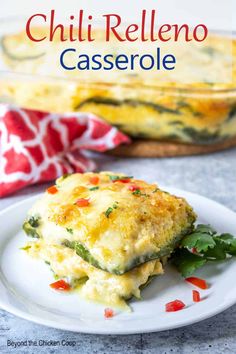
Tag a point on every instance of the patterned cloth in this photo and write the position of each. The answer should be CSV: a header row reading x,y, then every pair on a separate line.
x,y
39,146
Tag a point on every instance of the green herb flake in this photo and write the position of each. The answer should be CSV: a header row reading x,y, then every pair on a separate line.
x,y
108,212
138,192
94,188
111,209
69,230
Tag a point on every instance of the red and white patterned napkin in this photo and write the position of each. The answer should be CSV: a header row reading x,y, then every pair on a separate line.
x,y
38,146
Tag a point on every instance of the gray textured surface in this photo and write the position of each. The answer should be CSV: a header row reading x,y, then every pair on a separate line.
x,y
213,176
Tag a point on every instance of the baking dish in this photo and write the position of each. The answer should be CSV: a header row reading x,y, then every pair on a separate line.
x,y
201,112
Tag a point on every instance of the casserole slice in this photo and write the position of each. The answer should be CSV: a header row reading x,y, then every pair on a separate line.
x,y
112,221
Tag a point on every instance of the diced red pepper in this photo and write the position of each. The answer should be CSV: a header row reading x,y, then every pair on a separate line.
x,y
82,202
196,296
108,313
52,190
200,283
174,306
125,180
134,188
61,285
94,180
194,250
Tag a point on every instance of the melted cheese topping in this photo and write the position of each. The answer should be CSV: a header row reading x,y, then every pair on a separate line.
x,y
119,228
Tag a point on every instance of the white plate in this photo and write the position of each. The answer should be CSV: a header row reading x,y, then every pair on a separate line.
x,y
24,289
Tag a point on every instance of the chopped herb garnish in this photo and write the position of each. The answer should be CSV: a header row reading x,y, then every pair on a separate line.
x,y
110,209
46,262
118,178
69,230
138,192
94,188
108,212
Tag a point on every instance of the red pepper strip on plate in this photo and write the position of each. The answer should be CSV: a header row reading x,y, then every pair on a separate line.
x,y
82,202
133,188
60,285
174,306
52,190
196,296
108,313
94,180
200,283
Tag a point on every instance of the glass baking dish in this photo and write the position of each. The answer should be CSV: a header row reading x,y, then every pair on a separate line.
x,y
194,113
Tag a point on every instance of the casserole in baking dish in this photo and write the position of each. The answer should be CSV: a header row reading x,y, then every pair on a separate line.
x,y
198,107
